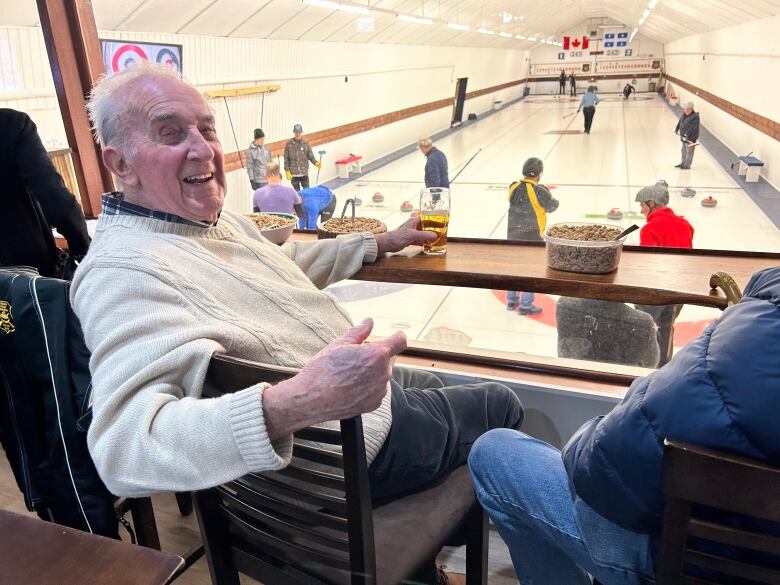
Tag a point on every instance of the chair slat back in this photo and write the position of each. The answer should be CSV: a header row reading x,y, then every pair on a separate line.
x,y
696,476
308,523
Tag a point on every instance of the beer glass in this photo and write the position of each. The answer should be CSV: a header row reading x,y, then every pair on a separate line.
x,y
435,217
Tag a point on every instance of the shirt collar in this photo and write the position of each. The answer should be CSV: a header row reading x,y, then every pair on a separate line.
x,y
115,204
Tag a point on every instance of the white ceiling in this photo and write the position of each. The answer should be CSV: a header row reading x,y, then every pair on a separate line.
x,y
293,19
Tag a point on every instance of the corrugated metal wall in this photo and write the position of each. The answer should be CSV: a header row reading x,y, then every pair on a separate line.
x,y
379,79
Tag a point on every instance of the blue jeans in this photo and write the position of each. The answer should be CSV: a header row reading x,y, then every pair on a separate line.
x,y
553,536
526,299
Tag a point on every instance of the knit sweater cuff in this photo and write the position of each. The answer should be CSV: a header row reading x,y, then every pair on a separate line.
x,y
248,425
370,247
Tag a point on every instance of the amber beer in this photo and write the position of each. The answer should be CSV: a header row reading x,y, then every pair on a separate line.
x,y
435,221
435,217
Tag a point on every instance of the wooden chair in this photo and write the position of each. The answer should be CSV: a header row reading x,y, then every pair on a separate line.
x,y
695,476
312,523
34,551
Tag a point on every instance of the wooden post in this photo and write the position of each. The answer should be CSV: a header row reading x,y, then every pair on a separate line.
x,y
76,63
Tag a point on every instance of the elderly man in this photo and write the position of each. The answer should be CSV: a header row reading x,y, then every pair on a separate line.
x,y
436,174
172,278
688,129
666,229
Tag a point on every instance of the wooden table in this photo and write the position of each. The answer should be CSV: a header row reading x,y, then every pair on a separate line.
x,y
36,552
658,276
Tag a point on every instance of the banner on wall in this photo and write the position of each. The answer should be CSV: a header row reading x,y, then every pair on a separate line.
x,y
118,55
547,69
631,65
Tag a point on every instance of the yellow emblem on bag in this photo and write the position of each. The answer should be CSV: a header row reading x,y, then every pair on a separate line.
x,y
5,317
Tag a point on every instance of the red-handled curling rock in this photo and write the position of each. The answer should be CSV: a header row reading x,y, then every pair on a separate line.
x,y
377,197
614,213
406,207
709,201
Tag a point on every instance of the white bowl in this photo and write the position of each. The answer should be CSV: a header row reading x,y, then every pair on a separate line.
x,y
279,235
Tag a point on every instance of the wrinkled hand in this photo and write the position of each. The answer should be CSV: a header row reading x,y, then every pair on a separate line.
x,y
345,379
288,174
406,234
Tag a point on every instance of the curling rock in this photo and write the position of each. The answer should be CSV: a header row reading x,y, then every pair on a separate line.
x,y
614,213
358,201
406,206
709,201
377,197
688,192
663,183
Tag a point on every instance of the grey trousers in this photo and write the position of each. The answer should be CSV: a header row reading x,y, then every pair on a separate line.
x,y
687,155
664,317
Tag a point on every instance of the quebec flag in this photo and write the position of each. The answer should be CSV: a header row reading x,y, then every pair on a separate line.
x,y
609,36
621,43
623,35
608,44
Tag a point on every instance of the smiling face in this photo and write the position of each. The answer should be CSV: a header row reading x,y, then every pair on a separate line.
x,y
173,162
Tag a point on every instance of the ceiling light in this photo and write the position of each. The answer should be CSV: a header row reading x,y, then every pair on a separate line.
x,y
641,21
354,8
505,35
646,13
520,37
337,6
611,25
323,4
532,39
633,34
652,4
485,31
456,26
415,19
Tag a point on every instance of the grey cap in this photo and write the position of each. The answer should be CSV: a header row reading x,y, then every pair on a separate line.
x,y
657,193
533,167
687,105
662,183
297,128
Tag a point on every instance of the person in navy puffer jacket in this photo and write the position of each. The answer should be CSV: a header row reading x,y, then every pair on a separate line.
x,y
597,508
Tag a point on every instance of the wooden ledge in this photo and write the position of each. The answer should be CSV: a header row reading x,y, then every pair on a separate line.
x,y
649,276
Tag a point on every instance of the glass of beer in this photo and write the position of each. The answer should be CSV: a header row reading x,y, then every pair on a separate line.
x,y
435,217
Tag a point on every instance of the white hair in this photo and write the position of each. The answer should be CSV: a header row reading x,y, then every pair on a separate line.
x,y
108,113
425,142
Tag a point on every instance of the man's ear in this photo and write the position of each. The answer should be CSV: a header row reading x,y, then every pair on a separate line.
x,y
116,161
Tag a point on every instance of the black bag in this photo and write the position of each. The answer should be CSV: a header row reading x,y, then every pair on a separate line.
x,y
45,406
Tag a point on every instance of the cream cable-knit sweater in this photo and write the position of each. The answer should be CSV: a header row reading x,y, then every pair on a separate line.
x,y
156,300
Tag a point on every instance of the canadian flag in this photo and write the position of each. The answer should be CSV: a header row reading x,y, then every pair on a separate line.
x,y
575,43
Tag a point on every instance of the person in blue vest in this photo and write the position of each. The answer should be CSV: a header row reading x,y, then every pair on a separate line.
x,y
597,508
436,173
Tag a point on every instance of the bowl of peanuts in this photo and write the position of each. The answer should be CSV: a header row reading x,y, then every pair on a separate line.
x,y
590,248
275,227
349,225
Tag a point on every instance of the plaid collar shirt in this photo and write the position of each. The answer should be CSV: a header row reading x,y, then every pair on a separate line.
x,y
114,204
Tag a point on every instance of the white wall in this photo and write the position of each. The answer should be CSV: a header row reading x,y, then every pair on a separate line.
x,y
641,48
740,64
381,79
